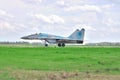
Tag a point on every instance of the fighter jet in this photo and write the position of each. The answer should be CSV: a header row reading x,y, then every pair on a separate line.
x,y
76,37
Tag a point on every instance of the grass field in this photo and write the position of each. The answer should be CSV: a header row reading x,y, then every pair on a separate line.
x,y
53,63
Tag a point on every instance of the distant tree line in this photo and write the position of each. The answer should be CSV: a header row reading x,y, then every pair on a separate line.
x,y
7,42
104,44
87,44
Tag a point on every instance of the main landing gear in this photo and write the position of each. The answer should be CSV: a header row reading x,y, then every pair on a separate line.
x,y
61,44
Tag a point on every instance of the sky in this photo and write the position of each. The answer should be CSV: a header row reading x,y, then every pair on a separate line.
x,y
100,18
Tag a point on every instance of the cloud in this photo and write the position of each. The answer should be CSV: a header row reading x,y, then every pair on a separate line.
x,y
89,7
52,19
60,2
107,6
86,18
33,1
84,8
86,27
114,1
6,26
4,13
109,22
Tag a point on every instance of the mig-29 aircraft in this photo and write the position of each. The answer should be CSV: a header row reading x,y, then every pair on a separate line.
x,y
76,37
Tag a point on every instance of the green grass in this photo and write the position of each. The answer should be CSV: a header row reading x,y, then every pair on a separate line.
x,y
41,63
94,60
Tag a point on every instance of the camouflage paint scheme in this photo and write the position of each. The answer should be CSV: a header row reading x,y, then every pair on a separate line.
x,y
76,37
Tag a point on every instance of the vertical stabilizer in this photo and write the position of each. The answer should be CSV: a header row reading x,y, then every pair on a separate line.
x,y
77,35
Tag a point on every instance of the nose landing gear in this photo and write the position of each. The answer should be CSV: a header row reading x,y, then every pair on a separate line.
x,y
46,45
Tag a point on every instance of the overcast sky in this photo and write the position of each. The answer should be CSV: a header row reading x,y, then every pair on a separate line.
x,y
100,18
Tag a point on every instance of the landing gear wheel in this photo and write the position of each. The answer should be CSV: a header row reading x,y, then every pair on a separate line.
x,y
46,45
63,44
59,44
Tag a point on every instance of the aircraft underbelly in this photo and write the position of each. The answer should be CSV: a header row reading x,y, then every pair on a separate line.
x,y
52,41
64,41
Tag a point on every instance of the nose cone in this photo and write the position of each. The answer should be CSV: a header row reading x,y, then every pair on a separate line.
x,y
25,37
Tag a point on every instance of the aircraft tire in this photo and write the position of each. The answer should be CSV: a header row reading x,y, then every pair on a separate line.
x,y
46,45
63,44
59,45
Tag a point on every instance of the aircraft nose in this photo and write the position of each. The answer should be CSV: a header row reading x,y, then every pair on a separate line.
x,y
24,37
